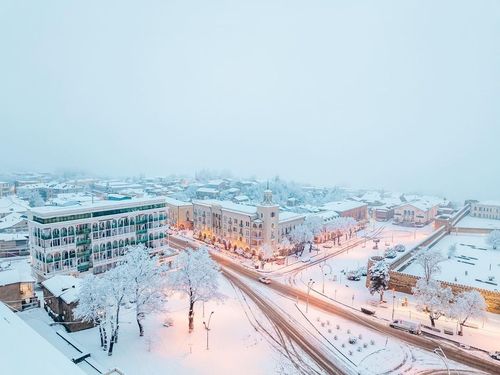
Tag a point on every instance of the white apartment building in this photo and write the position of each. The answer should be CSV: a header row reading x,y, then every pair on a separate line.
x,y
235,225
485,210
93,237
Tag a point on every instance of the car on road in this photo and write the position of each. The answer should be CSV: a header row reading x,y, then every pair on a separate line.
x,y
495,355
406,325
327,246
400,248
305,260
265,280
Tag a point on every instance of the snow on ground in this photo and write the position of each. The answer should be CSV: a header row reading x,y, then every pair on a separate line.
x,y
234,344
474,262
372,353
478,222
355,294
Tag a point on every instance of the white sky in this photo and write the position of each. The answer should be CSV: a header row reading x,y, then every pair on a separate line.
x,y
403,95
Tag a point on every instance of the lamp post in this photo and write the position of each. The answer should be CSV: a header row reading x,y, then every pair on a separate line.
x,y
323,274
309,286
439,352
207,326
393,301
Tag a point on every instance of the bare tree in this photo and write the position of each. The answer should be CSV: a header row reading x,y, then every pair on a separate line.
x,y
430,261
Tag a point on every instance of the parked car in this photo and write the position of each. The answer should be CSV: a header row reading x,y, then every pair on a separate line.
x,y
327,246
353,276
265,280
400,248
390,254
305,260
495,355
407,325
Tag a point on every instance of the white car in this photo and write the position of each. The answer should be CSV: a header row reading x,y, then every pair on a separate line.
x,y
265,280
305,260
327,246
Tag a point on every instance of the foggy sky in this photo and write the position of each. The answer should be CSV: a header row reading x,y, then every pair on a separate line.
x,y
401,95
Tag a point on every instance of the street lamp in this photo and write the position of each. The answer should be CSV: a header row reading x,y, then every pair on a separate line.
x,y
207,326
323,274
393,301
309,286
439,352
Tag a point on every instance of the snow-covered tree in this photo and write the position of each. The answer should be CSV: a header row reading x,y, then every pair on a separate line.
x,y
429,260
301,235
197,276
266,251
92,305
379,278
146,286
468,304
434,298
35,199
493,239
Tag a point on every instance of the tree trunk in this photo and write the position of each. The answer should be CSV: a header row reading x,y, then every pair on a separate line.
x,y
433,321
191,316
141,328
381,296
115,334
111,344
101,336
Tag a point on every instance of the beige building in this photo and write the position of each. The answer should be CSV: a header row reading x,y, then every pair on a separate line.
x,y
180,214
485,210
237,226
17,285
416,213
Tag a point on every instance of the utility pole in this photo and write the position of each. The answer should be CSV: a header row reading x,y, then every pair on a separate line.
x,y
393,301
207,326
309,286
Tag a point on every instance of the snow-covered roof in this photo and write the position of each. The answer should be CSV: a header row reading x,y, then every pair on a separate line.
x,y
11,219
17,236
326,215
64,286
15,271
489,203
24,351
48,211
289,216
207,190
342,206
176,202
13,204
241,198
228,205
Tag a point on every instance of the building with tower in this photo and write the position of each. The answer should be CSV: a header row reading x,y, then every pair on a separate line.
x,y
237,226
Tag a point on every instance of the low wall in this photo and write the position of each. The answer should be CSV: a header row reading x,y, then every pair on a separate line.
x,y
403,282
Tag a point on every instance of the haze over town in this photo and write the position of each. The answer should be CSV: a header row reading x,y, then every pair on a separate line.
x,y
401,96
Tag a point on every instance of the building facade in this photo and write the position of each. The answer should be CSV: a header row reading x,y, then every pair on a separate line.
x,y
418,213
72,240
180,214
485,210
237,226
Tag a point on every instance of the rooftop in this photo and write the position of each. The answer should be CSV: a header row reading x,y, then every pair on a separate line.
x,y
64,286
15,271
342,206
228,205
288,216
48,211
26,352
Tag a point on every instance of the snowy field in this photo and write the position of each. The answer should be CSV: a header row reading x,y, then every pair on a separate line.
x,y
474,262
233,342
477,222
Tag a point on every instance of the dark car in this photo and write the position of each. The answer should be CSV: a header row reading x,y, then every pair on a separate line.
x,y
495,355
353,277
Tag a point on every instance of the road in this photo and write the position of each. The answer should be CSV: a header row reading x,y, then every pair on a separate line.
x,y
322,359
424,342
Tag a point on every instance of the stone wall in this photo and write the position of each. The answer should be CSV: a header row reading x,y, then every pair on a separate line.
x,y
402,282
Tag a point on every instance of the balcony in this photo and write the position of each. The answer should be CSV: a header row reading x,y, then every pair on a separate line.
x,y
83,267
141,221
83,231
83,242
141,231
